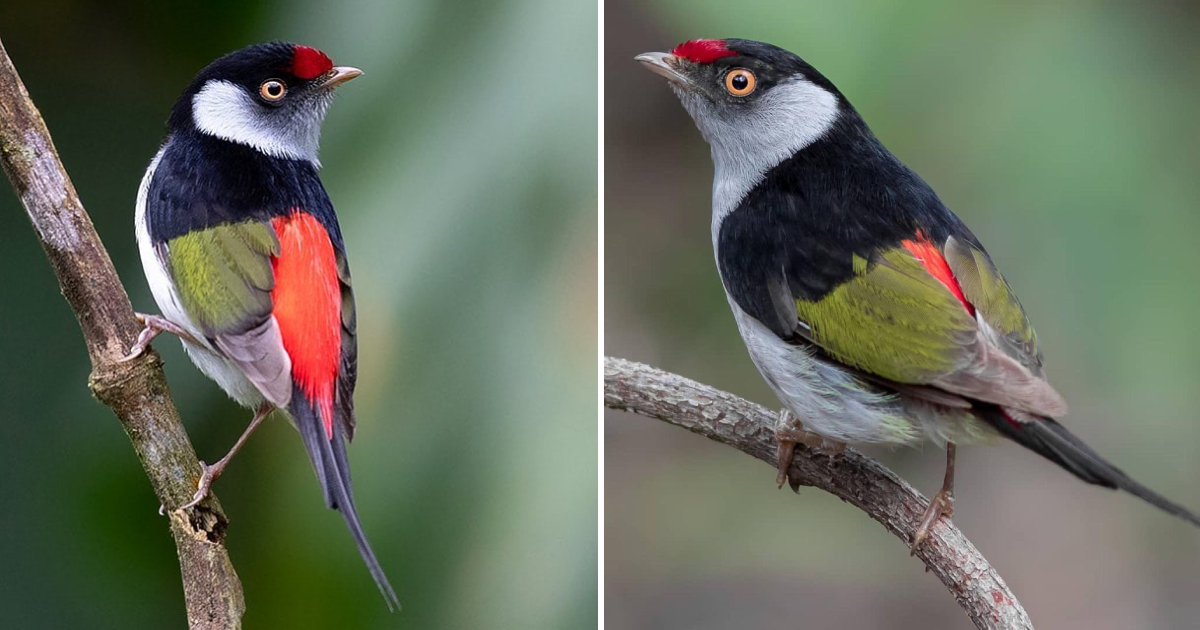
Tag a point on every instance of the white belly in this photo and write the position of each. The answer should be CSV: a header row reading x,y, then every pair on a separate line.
x,y
831,401
825,398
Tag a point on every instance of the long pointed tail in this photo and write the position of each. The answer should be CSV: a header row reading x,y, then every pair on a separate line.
x,y
329,460
1051,440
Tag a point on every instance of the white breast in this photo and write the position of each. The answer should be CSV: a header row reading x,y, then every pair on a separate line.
x,y
156,272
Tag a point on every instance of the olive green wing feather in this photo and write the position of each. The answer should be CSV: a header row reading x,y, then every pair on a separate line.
x,y
995,303
223,277
891,319
895,321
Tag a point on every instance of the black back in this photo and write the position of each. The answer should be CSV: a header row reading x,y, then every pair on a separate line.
x,y
841,196
202,181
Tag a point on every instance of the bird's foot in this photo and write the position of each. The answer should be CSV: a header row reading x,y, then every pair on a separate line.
x,y
941,505
208,475
153,326
790,432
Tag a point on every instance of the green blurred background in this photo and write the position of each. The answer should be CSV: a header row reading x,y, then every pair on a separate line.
x,y
1067,136
463,166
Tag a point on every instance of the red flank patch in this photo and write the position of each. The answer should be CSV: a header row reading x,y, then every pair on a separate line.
x,y
308,305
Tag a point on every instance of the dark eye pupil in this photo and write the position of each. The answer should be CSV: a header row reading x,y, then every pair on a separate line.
x,y
273,89
740,82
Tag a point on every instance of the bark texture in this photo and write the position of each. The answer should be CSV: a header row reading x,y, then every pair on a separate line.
x,y
851,477
137,390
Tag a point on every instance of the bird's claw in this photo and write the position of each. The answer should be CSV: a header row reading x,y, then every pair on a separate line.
x,y
941,505
153,326
790,432
783,457
207,476
146,336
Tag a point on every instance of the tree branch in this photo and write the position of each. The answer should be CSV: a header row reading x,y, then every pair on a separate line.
x,y
137,390
851,477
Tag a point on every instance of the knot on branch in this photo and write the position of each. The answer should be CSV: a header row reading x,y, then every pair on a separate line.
x,y
201,524
111,381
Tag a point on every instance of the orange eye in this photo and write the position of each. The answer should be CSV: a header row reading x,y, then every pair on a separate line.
x,y
272,90
740,82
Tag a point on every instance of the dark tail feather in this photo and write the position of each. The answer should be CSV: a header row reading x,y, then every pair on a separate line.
x,y
1052,441
333,472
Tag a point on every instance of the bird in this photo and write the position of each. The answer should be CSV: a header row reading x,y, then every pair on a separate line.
x,y
242,250
870,309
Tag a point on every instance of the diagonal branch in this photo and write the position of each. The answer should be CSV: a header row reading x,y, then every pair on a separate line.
x,y
136,391
852,477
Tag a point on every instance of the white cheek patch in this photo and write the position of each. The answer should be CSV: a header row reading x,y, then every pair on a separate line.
x,y
225,110
789,117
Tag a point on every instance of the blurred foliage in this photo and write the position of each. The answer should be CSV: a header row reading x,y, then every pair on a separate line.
x,y
1066,136
463,168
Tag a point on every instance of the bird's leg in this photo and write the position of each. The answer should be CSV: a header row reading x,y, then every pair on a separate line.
x,y
211,473
153,326
942,503
790,432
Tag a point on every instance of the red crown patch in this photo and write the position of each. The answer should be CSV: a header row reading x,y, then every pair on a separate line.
x,y
703,50
309,63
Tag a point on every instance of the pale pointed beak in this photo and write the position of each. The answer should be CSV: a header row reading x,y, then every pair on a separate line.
x,y
664,64
340,75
